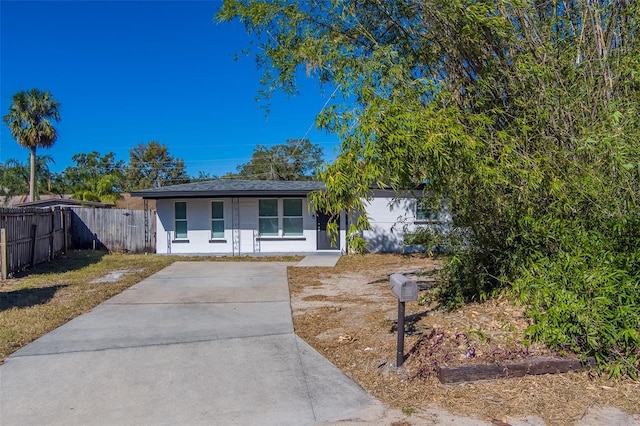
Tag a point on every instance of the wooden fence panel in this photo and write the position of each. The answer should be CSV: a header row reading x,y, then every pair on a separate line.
x,y
113,229
29,236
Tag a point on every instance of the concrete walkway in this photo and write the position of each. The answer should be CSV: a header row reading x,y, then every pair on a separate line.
x,y
196,343
199,343
326,260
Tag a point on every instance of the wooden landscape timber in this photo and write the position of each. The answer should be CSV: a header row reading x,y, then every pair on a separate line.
x,y
529,366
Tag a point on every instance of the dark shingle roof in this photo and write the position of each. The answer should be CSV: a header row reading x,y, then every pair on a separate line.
x,y
60,202
232,188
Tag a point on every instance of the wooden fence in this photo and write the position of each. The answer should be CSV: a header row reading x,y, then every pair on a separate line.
x,y
29,236
121,230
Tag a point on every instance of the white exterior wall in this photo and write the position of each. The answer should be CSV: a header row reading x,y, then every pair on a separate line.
x,y
241,232
390,218
387,219
198,227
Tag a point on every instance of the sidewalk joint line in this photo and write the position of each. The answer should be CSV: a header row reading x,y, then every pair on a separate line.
x,y
115,348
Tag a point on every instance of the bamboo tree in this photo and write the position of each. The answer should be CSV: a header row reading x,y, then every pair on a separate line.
x,y
522,114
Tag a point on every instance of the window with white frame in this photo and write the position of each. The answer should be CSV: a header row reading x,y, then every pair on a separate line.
x,y
292,217
217,220
180,210
425,212
268,217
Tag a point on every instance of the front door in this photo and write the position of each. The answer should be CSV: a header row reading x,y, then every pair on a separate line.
x,y
323,238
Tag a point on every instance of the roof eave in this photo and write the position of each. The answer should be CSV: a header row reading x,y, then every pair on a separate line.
x,y
219,194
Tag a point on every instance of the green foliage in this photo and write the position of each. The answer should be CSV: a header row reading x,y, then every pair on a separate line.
x,y
202,175
522,114
436,238
15,175
584,298
294,160
93,178
408,411
29,120
151,165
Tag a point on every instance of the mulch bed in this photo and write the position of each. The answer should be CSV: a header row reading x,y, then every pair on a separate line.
x,y
348,314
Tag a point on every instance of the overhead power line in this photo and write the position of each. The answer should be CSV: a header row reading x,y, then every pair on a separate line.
x,y
313,121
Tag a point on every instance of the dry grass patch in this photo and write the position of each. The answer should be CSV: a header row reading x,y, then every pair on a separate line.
x,y
351,319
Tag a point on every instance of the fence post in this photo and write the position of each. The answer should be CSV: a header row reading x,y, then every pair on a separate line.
x,y
34,228
64,214
146,224
52,233
3,252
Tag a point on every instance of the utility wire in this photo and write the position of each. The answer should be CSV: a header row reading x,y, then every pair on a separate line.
x,y
313,122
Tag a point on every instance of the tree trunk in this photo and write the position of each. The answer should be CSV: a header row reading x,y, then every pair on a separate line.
x,y
32,175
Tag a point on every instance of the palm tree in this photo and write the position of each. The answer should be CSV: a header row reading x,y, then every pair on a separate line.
x,y
29,120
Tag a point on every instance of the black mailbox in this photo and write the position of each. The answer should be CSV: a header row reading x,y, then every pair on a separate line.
x,y
404,289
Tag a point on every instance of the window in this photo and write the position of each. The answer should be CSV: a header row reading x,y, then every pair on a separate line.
x,y
268,218
181,219
217,219
292,217
424,212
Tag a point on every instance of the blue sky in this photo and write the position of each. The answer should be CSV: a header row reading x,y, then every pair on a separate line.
x,y
129,72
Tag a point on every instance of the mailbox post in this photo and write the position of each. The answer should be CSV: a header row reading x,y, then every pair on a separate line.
x,y
405,290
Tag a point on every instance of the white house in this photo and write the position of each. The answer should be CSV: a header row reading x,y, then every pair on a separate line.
x,y
230,216
392,215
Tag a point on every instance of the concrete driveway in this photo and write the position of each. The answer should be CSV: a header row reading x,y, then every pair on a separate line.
x,y
196,343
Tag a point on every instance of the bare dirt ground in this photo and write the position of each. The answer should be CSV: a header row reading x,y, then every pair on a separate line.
x,y
348,314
